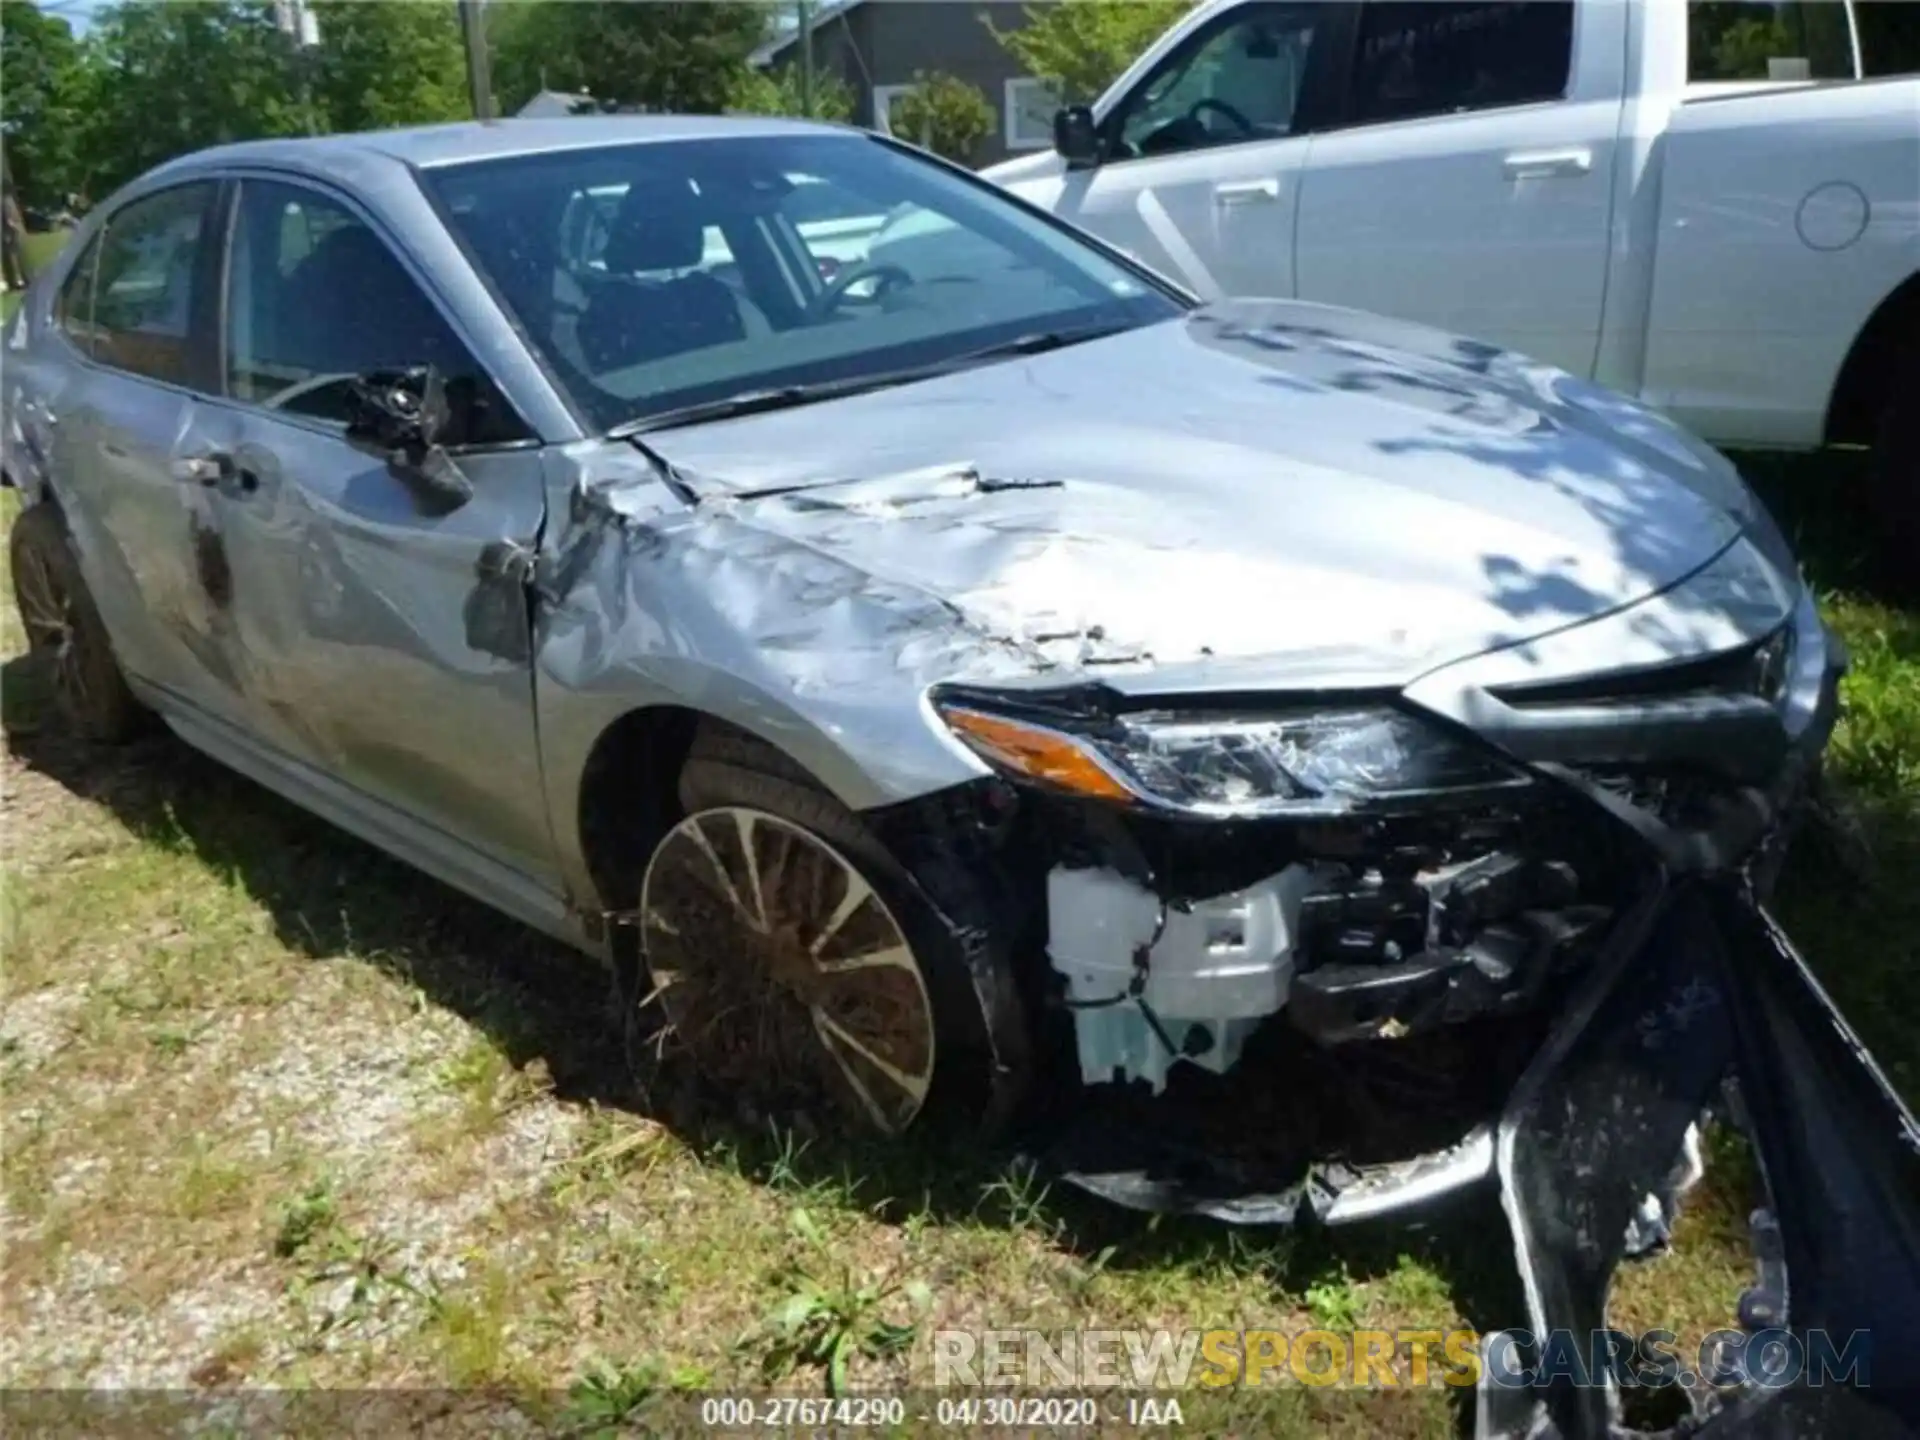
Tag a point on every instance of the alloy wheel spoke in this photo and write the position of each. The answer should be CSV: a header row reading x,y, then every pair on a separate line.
x,y
705,847
915,1087
858,892
889,957
71,672
859,1086
744,823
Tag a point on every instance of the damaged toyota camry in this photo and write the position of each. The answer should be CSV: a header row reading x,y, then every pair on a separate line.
x,y
971,681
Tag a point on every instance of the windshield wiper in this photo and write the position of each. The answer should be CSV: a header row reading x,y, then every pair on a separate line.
x,y
1039,341
788,397
756,402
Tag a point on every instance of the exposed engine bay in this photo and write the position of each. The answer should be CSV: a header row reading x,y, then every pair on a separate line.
x,y
1259,1016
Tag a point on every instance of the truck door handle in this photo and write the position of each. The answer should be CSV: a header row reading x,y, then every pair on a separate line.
x,y
1542,164
1247,192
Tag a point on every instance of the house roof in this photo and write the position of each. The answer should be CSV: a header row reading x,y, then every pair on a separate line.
x,y
774,48
549,104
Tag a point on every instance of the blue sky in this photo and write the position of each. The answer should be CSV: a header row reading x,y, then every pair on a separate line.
x,y
79,13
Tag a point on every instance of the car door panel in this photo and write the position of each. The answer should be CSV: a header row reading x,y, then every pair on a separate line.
x,y
353,626
1487,211
146,541
354,603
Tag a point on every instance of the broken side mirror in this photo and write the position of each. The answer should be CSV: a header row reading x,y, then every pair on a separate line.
x,y
1076,137
401,416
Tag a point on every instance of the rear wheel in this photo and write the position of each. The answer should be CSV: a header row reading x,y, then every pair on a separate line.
x,y
64,626
1896,480
798,968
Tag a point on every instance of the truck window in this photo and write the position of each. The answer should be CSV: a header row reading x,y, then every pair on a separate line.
x,y
1428,58
1235,81
1757,40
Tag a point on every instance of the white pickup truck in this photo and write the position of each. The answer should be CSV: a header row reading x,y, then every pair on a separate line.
x,y
1572,179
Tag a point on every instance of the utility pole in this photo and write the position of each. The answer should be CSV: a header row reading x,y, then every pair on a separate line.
x,y
302,29
806,58
473,30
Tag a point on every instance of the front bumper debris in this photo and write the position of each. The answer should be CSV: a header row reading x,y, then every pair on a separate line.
x,y
1424,958
1596,1036
1713,987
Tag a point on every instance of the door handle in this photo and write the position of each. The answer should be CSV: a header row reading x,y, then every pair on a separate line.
x,y
1542,164
1247,192
209,469
216,470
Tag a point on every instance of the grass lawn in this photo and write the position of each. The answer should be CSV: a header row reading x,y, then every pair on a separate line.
x,y
277,1110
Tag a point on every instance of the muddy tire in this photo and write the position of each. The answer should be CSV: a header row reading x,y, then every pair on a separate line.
x,y
800,971
64,627
1895,481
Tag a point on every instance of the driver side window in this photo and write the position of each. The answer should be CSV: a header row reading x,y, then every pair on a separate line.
x,y
1238,81
315,297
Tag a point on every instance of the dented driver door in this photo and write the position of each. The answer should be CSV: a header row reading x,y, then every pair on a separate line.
x,y
383,639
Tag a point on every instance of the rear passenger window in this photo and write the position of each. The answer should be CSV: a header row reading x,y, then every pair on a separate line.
x,y
1432,58
73,306
143,288
1755,40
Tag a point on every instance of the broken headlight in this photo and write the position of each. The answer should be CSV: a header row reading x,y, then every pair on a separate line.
x,y
1238,766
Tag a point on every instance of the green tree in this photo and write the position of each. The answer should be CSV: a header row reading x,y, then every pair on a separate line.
x,y
163,77
778,93
394,62
1081,46
663,55
40,103
944,114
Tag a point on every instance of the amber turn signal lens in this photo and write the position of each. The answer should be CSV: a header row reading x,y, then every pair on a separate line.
x,y
1036,752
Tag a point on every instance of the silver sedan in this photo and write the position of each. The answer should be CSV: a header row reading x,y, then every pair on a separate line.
x,y
954,677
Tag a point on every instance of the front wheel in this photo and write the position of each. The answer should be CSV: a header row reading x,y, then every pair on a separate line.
x,y
798,967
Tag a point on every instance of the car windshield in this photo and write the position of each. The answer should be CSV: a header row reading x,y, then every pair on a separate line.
x,y
658,277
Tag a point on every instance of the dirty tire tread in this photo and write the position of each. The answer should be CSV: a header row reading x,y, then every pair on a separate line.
x,y
1896,481
980,1035
111,715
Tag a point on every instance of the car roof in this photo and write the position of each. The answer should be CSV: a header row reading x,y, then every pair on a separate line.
x,y
425,146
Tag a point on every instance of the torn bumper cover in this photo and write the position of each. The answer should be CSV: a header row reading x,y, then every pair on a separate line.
x,y
1704,984
1324,1018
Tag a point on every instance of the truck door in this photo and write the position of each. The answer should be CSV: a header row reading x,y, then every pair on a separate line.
x,y
1199,175
1468,182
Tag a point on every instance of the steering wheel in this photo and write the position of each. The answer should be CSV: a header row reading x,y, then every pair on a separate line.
x,y
302,388
1219,107
890,276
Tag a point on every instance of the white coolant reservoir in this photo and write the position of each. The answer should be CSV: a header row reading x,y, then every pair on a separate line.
x,y
1216,969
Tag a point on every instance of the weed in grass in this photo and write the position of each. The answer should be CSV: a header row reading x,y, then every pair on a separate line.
x,y
1076,1279
470,1329
1018,1199
827,1324
609,1398
1334,1303
305,1219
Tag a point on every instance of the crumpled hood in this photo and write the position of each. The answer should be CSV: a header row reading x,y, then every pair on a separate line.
x,y
1259,479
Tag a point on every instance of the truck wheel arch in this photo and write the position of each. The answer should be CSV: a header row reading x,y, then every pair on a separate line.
x,y
1873,366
